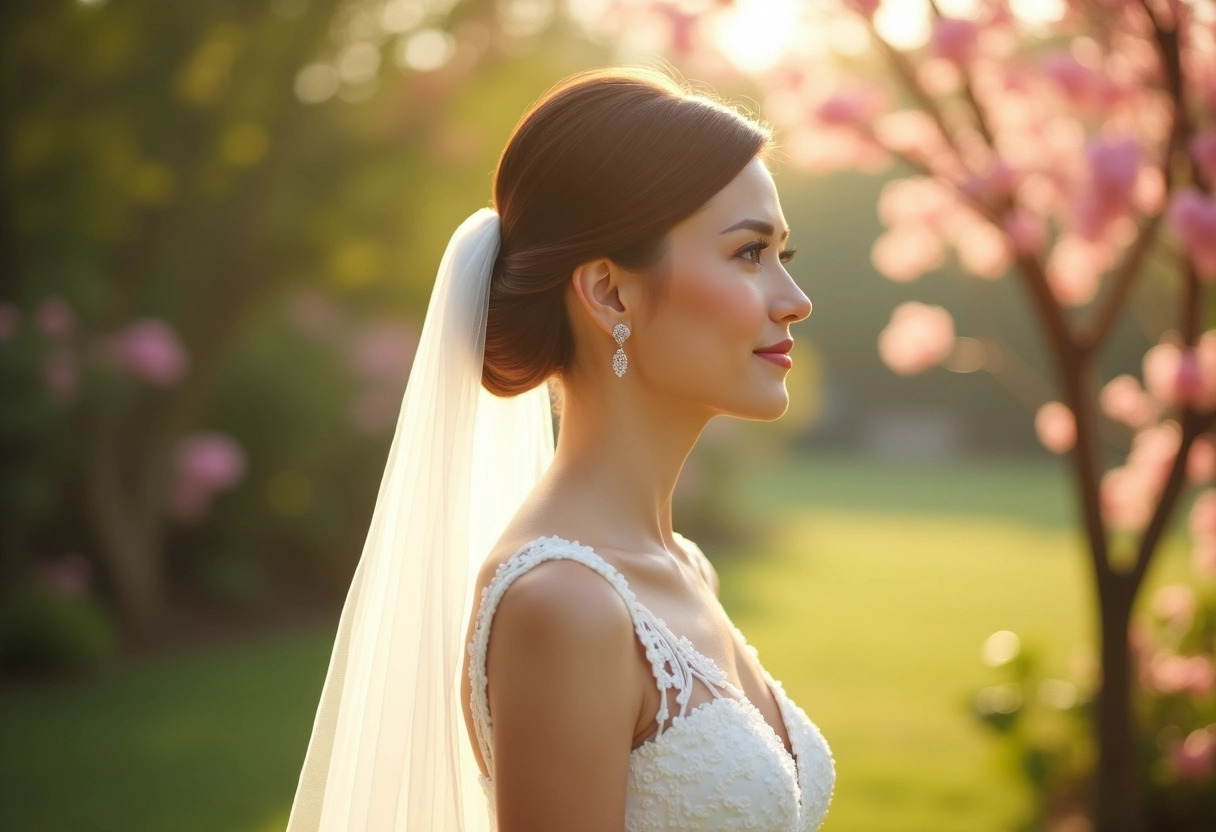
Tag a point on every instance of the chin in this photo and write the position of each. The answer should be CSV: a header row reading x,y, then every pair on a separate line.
x,y
767,406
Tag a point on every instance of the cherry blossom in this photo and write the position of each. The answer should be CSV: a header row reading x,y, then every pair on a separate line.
x,y
1056,427
917,337
149,349
207,463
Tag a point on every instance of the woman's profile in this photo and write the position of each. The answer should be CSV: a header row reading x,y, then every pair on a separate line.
x,y
528,644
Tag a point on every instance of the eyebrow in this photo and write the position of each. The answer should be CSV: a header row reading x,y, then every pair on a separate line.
x,y
754,225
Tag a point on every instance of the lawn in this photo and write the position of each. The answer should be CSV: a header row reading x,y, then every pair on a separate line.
x,y
870,601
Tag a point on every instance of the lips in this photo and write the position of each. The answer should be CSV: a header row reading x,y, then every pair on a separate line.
x,y
780,347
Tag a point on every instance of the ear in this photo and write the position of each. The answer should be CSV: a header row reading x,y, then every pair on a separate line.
x,y
606,292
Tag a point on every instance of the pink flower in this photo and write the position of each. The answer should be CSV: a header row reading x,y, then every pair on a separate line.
x,y
1026,231
150,350
1203,148
207,463
1127,498
1114,170
10,321
955,39
1056,427
1170,673
1201,461
1192,759
55,318
865,8
1202,520
905,253
856,105
1074,269
1193,218
1174,375
1124,400
917,337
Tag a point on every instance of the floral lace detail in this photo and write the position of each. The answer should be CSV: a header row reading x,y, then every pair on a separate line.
x,y
718,766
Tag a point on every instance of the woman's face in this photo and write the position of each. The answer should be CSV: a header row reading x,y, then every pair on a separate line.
x,y
728,294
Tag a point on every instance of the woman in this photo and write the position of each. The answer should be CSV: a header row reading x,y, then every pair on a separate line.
x,y
632,259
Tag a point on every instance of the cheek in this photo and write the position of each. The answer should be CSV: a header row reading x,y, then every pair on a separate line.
x,y
716,308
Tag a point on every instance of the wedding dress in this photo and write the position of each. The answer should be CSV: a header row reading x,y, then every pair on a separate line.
x,y
720,766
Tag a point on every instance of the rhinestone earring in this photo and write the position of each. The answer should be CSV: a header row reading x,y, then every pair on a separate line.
x,y
619,362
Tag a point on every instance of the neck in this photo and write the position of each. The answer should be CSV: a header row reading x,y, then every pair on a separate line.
x,y
619,454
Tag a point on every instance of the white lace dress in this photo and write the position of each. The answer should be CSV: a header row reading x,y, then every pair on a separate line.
x,y
720,766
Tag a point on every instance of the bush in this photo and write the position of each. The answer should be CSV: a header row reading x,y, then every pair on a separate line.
x,y
1044,724
43,631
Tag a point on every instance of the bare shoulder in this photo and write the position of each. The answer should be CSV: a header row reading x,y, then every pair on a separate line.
x,y
564,697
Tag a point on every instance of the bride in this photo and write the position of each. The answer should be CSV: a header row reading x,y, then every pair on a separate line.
x,y
633,266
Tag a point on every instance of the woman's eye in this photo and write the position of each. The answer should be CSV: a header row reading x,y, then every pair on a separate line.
x,y
787,255
754,248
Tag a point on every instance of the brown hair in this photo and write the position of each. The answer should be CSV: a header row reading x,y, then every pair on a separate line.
x,y
603,165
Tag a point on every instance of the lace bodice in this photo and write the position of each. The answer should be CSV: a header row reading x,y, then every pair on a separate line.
x,y
718,766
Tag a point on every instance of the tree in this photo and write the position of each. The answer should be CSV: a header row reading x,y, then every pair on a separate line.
x,y
1074,153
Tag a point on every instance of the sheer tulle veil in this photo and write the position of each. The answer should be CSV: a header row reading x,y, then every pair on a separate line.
x,y
389,747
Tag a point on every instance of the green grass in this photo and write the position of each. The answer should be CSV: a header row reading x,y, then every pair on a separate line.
x,y
869,601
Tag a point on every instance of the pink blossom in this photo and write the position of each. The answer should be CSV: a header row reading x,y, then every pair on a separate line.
x,y
1202,519
150,350
383,351
1074,269
1192,759
905,253
1203,148
856,105
1153,452
955,39
982,249
61,375
866,8
10,321
1170,673
1201,461
207,463
917,337
1114,169
1126,498
1055,426
915,200
1174,376
1026,231
1124,400
1176,604
1193,218
55,318
995,184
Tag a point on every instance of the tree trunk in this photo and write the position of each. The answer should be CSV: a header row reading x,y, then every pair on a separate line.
x,y
1117,799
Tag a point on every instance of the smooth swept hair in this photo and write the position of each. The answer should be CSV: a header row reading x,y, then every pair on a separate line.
x,y
603,165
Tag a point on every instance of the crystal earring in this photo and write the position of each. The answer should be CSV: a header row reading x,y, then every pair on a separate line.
x,y
619,362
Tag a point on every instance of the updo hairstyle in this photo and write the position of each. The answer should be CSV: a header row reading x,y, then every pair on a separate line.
x,y
603,165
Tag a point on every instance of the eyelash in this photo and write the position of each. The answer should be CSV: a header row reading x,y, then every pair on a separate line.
x,y
761,245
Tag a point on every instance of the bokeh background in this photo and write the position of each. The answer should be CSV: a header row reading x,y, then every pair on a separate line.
x,y
219,226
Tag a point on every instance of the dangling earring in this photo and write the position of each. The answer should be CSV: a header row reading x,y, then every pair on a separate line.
x,y
619,362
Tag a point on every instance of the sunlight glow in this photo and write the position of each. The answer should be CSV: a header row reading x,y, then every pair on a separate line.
x,y
755,34
903,23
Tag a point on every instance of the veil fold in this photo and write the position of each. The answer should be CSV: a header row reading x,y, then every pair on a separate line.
x,y
389,750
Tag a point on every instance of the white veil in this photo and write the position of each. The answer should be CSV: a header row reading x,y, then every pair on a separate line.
x,y
389,748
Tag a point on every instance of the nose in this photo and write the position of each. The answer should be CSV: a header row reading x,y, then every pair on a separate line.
x,y
792,305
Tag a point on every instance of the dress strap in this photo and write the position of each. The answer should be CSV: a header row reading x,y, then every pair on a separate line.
x,y
673,661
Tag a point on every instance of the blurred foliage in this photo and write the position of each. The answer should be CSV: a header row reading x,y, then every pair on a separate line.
x,y
1043,724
